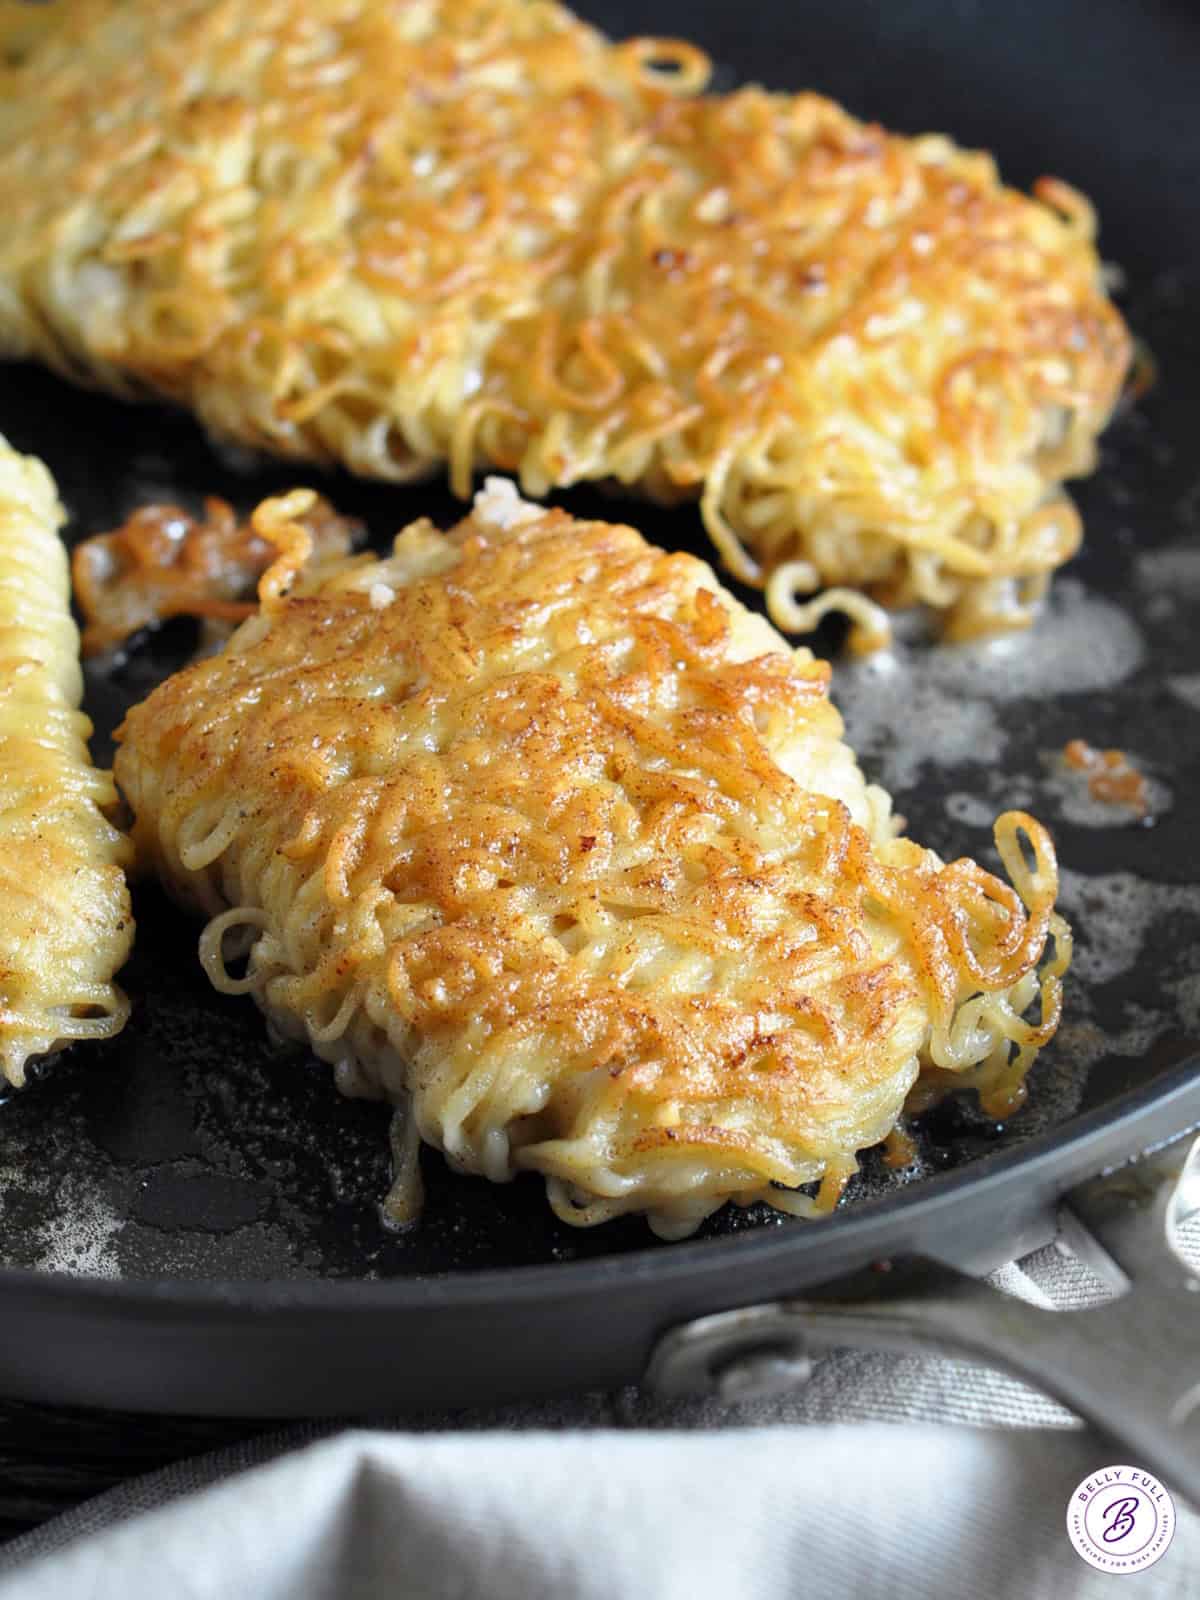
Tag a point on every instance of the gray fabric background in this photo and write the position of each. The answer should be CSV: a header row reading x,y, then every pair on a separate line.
x,y
883,1476
873,1510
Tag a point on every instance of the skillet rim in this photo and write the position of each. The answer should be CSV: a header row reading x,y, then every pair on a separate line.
x,y
1106,1137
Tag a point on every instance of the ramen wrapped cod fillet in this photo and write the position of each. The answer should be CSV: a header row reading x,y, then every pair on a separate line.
x,y
533,829
65,921
475,233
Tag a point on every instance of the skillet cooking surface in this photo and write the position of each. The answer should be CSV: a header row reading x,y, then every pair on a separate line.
x,y
187,1148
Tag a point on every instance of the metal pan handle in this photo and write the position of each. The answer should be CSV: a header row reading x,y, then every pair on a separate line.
x,y
1130,1366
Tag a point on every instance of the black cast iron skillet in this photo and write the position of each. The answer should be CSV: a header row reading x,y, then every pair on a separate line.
x,y
188,1222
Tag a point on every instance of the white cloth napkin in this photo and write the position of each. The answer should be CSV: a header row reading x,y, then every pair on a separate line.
x,y
882,1477
873,1511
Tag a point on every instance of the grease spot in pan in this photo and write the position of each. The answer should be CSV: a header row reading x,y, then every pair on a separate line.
x,y
919,705
1173,570
1112,915
971,810
1068,794
89,1246
1186,687
900,723
1055,794
1080,643
980,809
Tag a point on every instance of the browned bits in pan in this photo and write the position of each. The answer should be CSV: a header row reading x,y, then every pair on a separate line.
x,y
1112,777
162,563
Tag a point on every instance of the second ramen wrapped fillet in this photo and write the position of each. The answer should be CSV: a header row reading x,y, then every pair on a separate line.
x,y
474,232
65,920
534,829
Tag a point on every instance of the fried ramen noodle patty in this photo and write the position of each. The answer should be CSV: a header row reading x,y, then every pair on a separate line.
x,y
65,923
474,231
534,828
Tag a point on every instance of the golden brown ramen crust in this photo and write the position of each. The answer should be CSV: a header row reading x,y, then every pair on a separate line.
x,y
533,826
474,232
